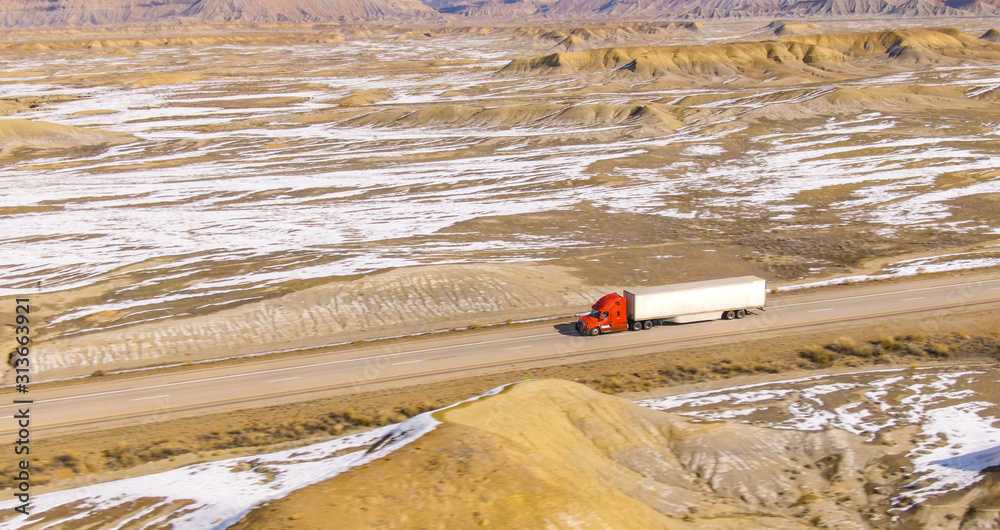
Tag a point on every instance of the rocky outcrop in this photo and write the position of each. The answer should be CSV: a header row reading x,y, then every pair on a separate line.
x,y
796,54
81,13
794,28
555,454
663,9
991,36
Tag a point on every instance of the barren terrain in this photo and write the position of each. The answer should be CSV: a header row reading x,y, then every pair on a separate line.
x,y
117,13
214,192
175,196
953,341
887,448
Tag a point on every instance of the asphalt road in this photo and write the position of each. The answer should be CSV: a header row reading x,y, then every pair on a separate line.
x,y
102,403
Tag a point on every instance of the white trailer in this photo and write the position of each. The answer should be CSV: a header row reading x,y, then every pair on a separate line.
x,y
726,298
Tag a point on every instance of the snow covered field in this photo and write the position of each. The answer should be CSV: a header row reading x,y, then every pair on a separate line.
x,y
262,170
218,494
954,414
950,414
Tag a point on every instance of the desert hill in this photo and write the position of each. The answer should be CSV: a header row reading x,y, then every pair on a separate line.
x,y
75,13
17,134
795,56
556,454
81,13
696,9
884,448
794,28
598,35
526,115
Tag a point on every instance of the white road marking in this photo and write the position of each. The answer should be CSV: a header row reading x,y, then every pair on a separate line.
x,y
285,379
952,286
408,362
518,347
912,299
152,397
283,369
820,310
548,335
289,367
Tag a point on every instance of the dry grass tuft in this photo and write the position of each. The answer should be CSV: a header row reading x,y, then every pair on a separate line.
x,y
889,342
330,419
820,356
938,349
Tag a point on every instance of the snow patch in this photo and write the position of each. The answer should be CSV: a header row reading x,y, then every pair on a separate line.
x,y
957,438
224,491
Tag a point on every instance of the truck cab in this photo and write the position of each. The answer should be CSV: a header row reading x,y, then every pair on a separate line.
x,y
607,315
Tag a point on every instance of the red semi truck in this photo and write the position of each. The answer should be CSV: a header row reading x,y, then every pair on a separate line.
x,y
641,308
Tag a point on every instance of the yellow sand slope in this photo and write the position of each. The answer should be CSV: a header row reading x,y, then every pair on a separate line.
x,y
812,54
555,454
26,134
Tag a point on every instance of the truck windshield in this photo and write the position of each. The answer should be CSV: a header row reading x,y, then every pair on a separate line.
x,y
596,314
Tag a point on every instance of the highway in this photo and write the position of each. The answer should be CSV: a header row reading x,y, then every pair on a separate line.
x,y
153,396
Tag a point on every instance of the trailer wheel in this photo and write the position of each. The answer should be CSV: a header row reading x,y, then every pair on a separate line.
x,y
647,324
595,332
729,315
740,313
636,326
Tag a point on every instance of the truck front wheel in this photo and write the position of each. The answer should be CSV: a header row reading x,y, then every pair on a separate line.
x,y
595,332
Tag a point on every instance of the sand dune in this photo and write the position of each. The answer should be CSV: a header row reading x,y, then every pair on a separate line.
x,y
18,134
555,454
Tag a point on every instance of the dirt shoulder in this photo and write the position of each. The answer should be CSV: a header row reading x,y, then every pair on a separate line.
x,y
962,336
